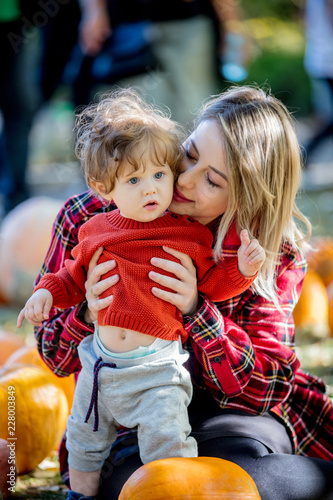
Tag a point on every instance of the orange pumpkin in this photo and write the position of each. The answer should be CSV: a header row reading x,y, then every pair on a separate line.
x,y
9,343
200,478
35,410
28,355
311,311
320,259
25,238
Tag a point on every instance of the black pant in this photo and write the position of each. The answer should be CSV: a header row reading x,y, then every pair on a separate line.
x,y
277,476
18,101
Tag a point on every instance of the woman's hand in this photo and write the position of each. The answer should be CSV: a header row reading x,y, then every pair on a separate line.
x,y
95,286
185,294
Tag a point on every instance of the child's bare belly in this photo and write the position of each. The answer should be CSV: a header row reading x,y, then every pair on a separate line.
x,y
118,339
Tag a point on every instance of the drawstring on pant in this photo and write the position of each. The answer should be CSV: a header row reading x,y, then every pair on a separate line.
x,y
94,394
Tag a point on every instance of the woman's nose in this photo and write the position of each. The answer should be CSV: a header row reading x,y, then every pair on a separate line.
x,y
187,177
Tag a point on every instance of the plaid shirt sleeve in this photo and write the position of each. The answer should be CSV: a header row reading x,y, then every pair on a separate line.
x,y
59,337
244,347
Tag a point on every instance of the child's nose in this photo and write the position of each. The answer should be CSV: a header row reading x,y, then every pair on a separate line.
x,y
149,188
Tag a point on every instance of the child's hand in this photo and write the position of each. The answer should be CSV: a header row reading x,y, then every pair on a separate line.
x,y
37,308
251,255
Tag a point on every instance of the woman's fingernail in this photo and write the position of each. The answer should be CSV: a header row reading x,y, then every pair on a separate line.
x,y
155,260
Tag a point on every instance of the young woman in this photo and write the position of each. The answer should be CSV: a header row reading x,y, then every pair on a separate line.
x,y
131,155
252,404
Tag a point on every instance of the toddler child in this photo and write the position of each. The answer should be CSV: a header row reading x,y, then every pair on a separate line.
x,y
133,370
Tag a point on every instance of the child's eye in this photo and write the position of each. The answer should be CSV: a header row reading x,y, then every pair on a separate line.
x,y
210,182
159,175
134,180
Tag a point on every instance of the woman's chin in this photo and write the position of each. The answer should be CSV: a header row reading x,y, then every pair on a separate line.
x,y
180,208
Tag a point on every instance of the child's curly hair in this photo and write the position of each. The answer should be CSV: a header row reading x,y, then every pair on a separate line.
x,y
122,126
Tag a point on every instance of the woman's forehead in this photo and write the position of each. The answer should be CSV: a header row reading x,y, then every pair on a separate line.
x,y
207,141
207,129
208,138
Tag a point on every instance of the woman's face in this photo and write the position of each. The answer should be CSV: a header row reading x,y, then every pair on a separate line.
x,y
202,189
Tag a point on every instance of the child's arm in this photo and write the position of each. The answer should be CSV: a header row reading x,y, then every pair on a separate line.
x,y
233,275
63,289
67,285
37,308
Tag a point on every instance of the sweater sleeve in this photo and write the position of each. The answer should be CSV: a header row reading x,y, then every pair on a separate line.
x,y
67,285
58,338
246,349
66,292
223,280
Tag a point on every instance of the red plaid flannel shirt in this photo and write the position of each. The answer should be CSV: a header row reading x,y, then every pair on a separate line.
x,y
242,349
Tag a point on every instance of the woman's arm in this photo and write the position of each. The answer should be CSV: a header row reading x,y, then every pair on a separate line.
x,y
246,353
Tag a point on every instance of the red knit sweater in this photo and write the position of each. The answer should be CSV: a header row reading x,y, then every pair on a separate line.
x,y
132,244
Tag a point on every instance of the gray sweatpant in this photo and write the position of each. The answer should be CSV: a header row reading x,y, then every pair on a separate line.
x,y
151,393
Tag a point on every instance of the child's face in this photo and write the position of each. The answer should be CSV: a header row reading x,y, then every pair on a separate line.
x,y
143,194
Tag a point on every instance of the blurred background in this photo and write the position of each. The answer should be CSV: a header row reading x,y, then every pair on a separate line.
x,y
58,55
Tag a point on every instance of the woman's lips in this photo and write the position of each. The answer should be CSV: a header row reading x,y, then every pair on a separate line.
x,y
177,196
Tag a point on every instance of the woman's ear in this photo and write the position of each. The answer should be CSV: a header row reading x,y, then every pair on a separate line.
x,y
99,187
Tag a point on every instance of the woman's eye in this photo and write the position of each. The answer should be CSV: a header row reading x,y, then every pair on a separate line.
x,y
188,154
211,183
159,175
134,180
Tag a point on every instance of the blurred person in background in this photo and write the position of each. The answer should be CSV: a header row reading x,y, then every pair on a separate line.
x,y
318,61
57,40
187,43
18,102
174,47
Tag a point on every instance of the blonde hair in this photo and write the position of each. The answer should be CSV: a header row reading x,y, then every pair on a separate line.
x,y
264,170
122,126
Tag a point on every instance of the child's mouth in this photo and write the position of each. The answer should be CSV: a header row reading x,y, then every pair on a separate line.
x,y
151,205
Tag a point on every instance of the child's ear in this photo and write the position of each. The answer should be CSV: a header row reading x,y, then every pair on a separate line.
x,y
99,187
